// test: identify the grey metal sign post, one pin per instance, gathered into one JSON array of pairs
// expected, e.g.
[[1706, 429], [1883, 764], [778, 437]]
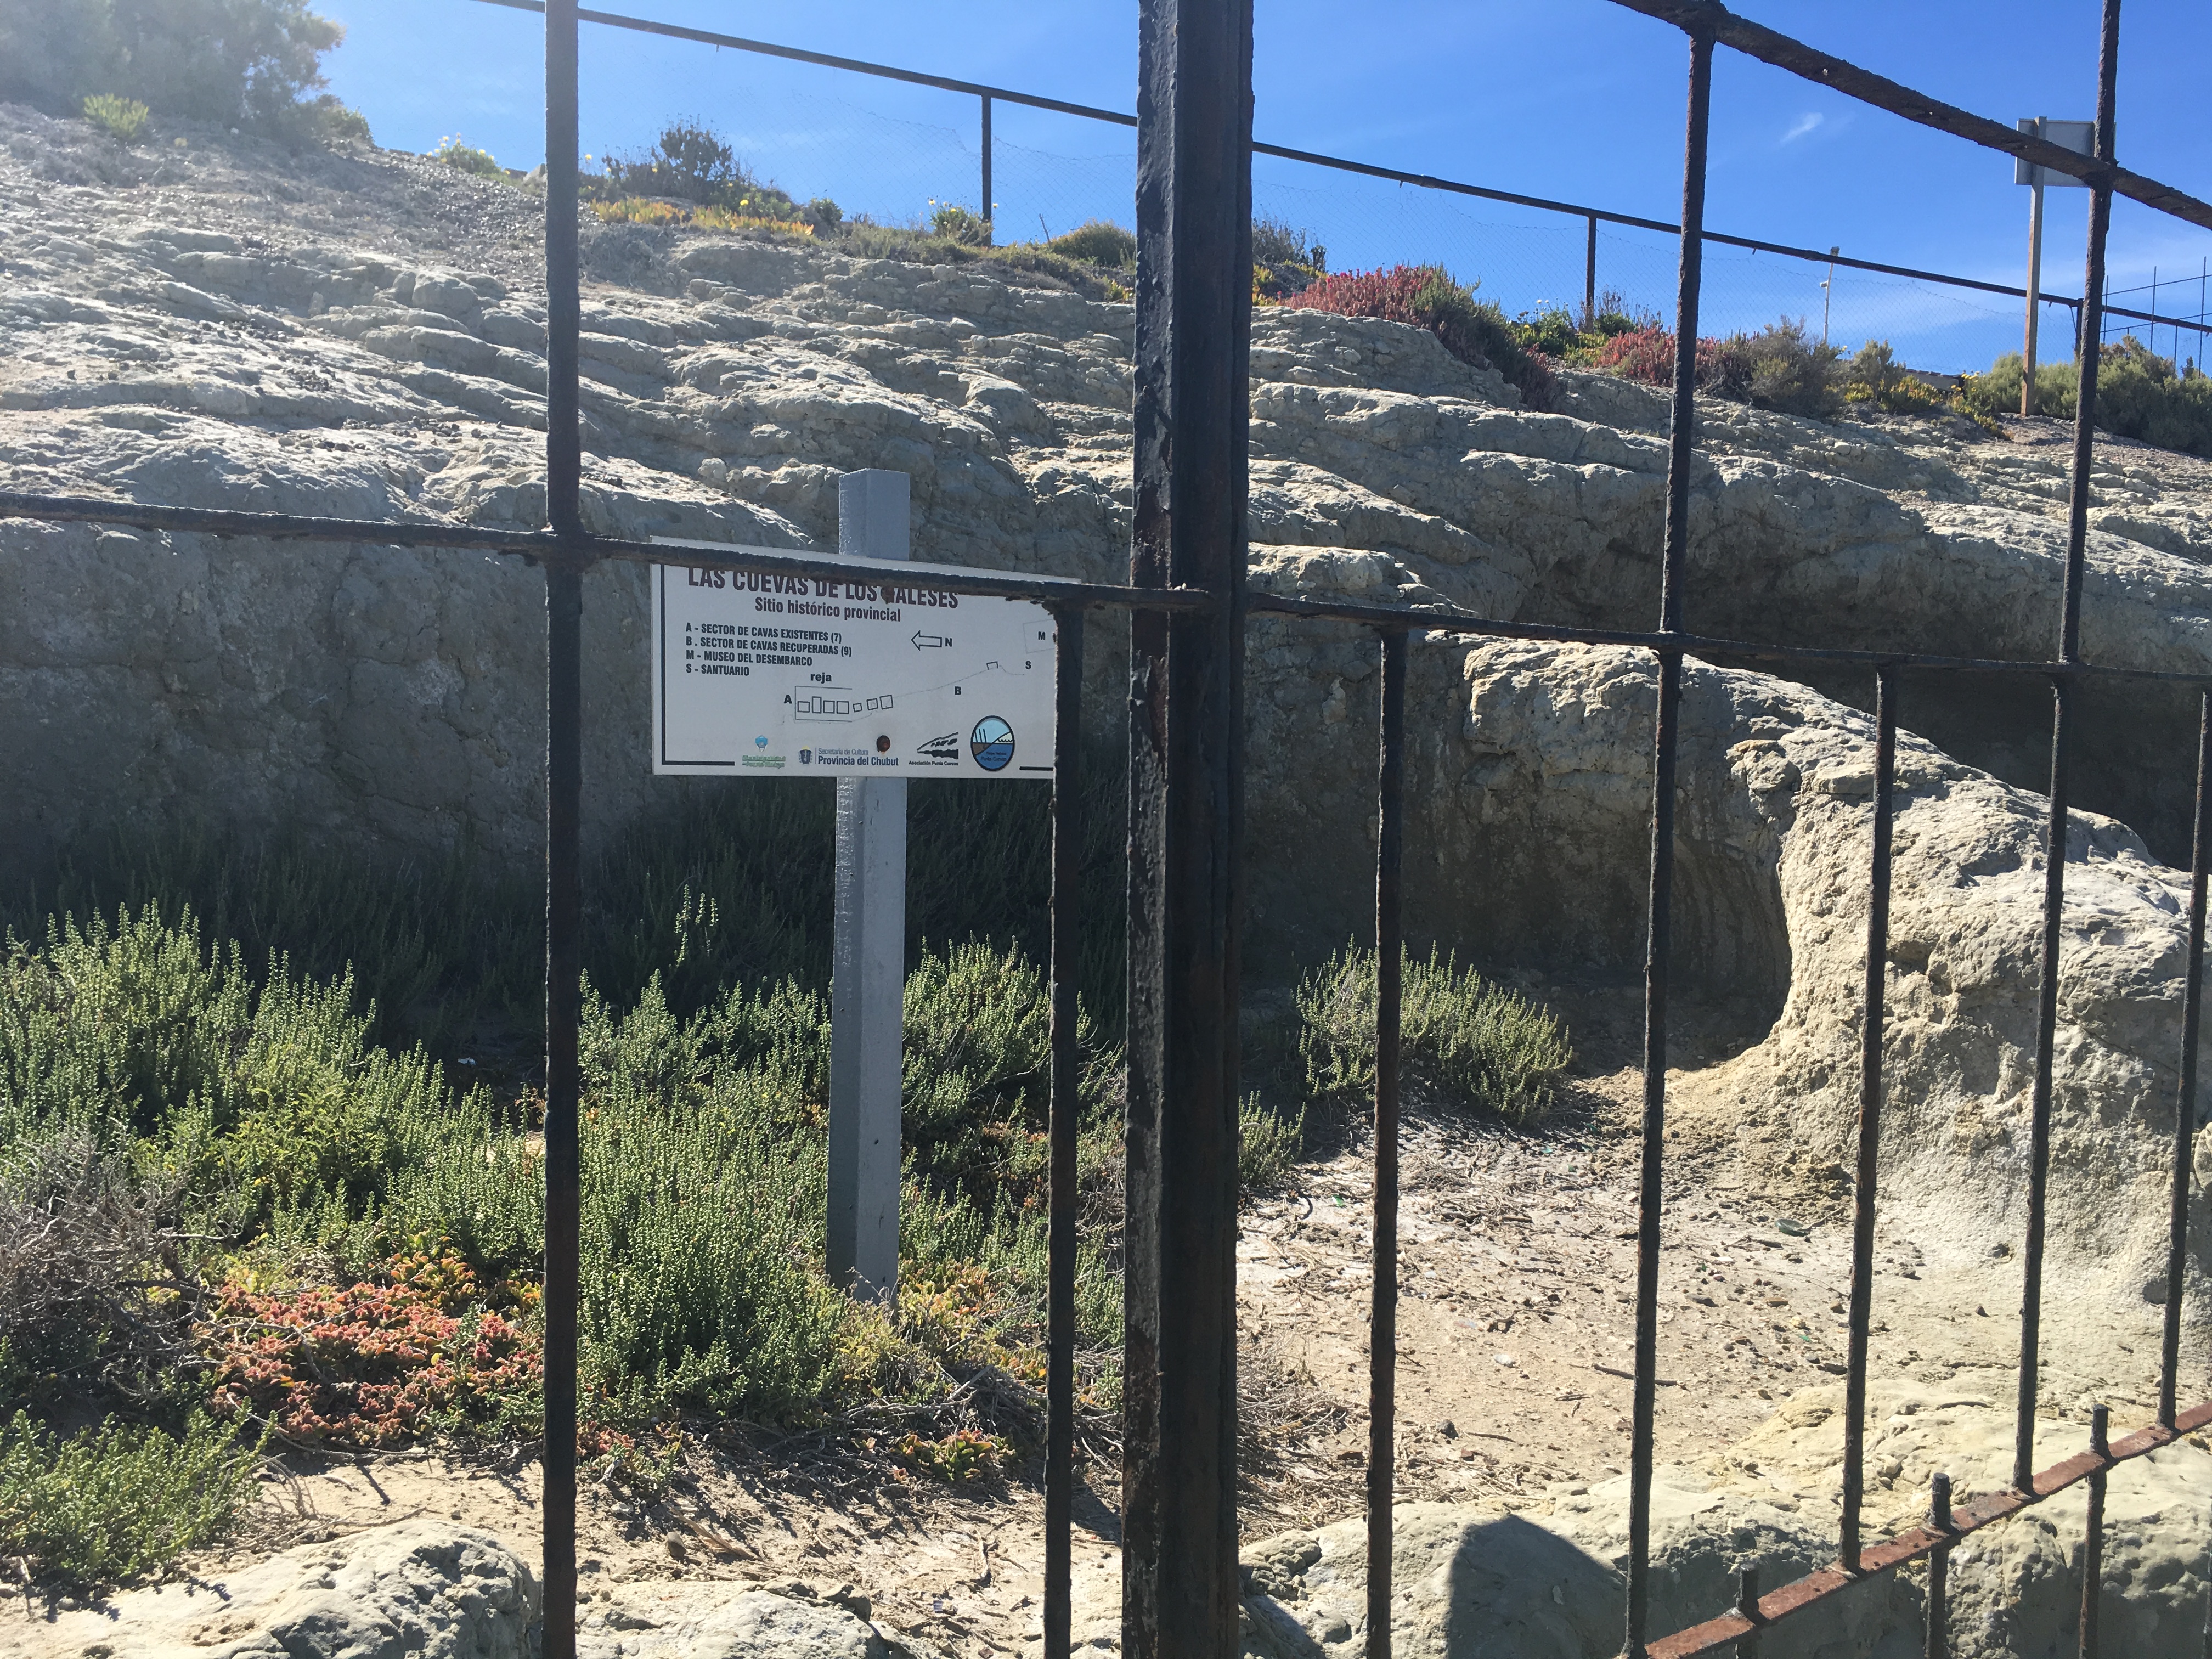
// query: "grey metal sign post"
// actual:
[[2075, 135], [867, 674], [867, 985]]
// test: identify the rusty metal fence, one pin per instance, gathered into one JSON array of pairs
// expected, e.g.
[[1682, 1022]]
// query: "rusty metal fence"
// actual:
[[1187, 604]]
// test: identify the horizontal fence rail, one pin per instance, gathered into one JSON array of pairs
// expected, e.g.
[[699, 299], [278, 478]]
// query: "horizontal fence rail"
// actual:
[[1056, 592]]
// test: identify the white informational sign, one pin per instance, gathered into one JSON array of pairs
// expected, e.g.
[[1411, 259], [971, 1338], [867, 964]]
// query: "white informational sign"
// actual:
[[868, 676]]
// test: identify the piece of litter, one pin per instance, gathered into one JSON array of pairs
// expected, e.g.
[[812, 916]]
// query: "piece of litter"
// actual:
[[1502, 1358], [1795, 1228]]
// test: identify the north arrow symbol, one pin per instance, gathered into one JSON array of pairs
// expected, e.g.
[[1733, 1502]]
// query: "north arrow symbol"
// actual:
[[927, 642]]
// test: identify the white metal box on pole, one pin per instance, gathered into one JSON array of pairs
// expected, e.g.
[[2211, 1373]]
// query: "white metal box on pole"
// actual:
[[2070, 134]]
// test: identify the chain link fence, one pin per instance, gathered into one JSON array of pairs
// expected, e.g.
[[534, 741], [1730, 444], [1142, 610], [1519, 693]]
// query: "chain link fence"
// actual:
[[895, 154]]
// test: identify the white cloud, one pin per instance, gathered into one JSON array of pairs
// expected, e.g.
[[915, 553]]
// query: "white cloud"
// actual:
[[1800, 126]]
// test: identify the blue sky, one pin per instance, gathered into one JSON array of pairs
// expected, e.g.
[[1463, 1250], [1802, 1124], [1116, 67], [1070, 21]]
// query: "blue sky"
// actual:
[[1577, 99]]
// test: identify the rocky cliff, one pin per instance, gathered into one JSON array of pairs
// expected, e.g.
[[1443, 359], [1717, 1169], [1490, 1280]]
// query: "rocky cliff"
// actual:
[[227, 324]]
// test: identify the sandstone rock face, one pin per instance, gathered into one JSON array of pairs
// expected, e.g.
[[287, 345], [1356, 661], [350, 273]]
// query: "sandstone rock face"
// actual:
[[362, 334], [693, 1620], [421, 1588], [1528, 803], [433, 1590], [1546, 1580]]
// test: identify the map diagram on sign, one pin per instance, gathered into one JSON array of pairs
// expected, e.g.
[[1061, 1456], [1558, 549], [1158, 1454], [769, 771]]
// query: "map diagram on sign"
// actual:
[[875, 676]]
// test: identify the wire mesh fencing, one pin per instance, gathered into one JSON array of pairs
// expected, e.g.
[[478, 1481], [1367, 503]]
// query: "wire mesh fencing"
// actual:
[[894, 146]]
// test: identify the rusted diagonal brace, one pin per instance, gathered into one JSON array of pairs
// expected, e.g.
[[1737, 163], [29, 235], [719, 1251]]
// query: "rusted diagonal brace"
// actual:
[[1716, 1634], [1717, 22]]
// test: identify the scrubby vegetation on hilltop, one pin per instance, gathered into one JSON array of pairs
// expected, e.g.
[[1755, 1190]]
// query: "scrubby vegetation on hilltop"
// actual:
[[2140, 395]]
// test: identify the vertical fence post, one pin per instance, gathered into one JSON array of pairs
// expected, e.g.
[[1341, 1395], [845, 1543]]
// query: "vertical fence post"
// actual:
[[1747, 1604], [1937, 1643], [2069, 651], [2185, 1105], [1589, 276], [868, 981], [1067, 1109], [1659, 921], [1192, 418], [2093, 1546], [564, 831], [1862, 1220], [2032, 125], [1382, 1320], [987, 211]]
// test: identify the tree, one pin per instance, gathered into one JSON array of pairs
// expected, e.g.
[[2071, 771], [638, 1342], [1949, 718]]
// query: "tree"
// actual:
[[235, 62]]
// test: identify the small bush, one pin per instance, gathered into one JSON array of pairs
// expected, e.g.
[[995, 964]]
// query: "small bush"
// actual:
[[334, 121], [123, 120], [116, 1501], [1778, 368], [1475, 331], [1277, 241], [955, 223], [1285, 259], [1472, 1043], [1267, 1144], [1782, 368], [690, 162], [1875, 376], [1551, 332], [467, 158], [1098, 242], [963, 1455], [237, 62], [2140, 395]]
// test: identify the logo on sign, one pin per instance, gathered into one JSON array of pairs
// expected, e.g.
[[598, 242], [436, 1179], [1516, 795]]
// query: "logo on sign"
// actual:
[[992, 742], [806, 757], [945, 748], [760, 743]]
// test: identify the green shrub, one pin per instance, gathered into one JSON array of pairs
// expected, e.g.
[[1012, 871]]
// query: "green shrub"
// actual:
[[1471, 1042], [116, 1501], [2139, 395], [467, 158], [233, 62], [1285, 259], [1277, 241], [1780, 367], [954, 223], [451, 953], [123, 120], [266, 1102], [1875, 376], [690, 162], [333, 121], [1098, 242], [1269, 1144], [1784, 368]]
